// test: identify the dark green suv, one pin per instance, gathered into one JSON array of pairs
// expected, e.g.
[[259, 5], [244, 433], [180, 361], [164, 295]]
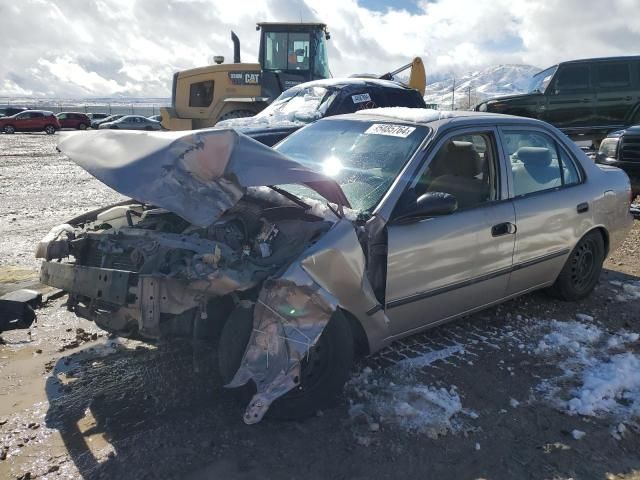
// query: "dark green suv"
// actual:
[[586, 99]]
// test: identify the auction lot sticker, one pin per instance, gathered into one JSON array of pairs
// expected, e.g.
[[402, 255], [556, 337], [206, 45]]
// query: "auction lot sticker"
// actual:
[[361, 98], [389, 129]]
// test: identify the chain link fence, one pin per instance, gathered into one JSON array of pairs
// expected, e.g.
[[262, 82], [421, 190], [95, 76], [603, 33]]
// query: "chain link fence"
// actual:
[[145, 109]]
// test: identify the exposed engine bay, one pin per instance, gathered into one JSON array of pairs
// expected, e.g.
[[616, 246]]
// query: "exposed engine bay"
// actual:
[[190, 264]]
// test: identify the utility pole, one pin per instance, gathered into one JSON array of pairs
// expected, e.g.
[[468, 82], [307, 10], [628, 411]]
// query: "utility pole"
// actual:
[[469, 97], [453, 94]]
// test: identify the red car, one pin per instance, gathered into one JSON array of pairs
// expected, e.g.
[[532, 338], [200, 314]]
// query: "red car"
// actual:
[[74, 120], [30, 121]]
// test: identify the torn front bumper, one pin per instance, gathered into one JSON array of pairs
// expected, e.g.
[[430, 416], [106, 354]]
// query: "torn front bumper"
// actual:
[[108, 285], [120, 298]]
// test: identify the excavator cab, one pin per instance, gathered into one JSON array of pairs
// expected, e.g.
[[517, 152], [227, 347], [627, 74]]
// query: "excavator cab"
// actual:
[[291, 53]]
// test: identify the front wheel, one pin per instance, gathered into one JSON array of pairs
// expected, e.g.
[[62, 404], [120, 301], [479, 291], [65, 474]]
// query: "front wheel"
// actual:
[[50, 129], [82, 126], [9, 129], [582, 270], [324, 370]]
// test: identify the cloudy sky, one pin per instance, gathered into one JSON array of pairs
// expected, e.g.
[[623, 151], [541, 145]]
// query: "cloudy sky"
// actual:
[[97, 48]]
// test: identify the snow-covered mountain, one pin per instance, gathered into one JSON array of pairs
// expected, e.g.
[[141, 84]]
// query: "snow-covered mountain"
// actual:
[[491, 82]]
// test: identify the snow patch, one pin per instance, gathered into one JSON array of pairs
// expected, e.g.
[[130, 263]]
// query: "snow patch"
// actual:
[[294, 108], [415, 115], [629, 290], [601, 371], [395, 396], [609, 386]]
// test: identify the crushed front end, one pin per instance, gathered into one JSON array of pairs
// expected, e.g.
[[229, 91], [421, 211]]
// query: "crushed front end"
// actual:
[[142, 271]]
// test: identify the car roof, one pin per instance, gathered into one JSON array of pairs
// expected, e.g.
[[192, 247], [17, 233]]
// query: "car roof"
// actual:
[[426, 116], [340, 83], [603, 59], [46, 112]]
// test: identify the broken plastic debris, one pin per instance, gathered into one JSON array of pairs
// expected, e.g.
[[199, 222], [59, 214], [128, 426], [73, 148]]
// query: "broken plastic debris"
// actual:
[[578, 434]]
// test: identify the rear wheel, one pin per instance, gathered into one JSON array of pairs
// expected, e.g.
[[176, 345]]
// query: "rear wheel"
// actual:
[[580, 274], [50, 129], [324, 370], [9, 129], [237, 114]]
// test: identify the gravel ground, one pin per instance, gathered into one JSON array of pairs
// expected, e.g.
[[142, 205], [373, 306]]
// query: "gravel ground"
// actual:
[[484, 397]]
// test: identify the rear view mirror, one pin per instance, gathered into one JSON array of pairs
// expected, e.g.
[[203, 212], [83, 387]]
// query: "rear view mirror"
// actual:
[[431, 204]]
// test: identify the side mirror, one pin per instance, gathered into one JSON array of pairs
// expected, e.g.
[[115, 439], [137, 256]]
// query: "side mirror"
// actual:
[[431, 204]]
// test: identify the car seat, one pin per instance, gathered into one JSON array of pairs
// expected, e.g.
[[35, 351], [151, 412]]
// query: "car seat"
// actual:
[[535, 170], [457, 170]]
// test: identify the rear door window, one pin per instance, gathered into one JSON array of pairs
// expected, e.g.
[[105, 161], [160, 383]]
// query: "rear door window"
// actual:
[[538, 163], [613, 75]]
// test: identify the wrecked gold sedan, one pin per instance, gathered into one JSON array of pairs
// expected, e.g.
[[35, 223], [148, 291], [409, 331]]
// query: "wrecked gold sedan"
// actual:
[[352, 232]]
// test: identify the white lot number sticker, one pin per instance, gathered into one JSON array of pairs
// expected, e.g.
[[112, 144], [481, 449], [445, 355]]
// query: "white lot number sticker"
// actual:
[[361, 98], [389, 129]]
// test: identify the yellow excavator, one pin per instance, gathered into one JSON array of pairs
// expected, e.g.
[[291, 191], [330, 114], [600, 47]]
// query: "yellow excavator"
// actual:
[[290, 54]]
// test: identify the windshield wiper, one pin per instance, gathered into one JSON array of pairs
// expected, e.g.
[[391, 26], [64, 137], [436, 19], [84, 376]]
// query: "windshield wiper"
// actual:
[[290, 196]]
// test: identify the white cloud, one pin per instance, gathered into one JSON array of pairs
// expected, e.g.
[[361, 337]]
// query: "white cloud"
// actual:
[[132, 47]]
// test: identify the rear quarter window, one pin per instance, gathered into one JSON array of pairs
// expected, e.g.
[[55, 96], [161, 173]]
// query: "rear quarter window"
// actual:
[[404, 98]]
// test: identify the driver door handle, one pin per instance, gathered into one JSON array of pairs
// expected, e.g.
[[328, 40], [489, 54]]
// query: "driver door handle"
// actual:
[[506, 228]]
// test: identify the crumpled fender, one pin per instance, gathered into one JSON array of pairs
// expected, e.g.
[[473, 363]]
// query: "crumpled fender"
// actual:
[[293, 309]]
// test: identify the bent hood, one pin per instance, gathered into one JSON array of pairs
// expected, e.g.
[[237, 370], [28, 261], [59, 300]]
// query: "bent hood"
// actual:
[[196, 174]]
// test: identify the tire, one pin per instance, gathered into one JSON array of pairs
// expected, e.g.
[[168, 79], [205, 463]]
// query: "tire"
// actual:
[[50, 129], [324, 371], [581, 272], [82, 126], [114, 127], [237, 114], [9, 129], [148, 129]]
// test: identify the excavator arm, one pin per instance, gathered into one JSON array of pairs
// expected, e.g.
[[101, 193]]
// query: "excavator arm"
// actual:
[[417, 77]]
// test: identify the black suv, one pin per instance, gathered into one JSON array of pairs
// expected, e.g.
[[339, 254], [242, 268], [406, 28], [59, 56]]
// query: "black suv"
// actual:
[[622, 149], [586, 99], [310, 101]]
